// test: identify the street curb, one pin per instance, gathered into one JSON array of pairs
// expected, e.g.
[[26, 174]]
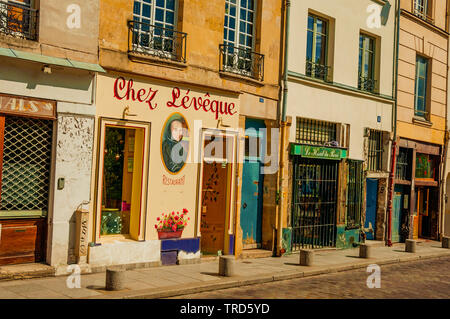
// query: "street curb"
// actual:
[[235, 282]]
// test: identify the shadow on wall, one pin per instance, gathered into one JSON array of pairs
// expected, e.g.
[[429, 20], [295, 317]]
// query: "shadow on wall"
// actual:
[[60, 77]]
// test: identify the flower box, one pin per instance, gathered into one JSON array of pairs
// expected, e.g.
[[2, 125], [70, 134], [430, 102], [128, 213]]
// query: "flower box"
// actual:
[[169, 234]]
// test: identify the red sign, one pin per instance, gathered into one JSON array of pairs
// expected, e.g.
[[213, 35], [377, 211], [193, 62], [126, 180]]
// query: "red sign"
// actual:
[[27, 107]]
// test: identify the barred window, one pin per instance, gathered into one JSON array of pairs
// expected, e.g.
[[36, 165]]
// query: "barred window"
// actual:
[[375, 155], [315, 132], [402, 170], [354, 193]]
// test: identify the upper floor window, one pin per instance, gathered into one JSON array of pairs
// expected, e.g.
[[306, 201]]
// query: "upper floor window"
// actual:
[[238, 46], [422, 9], [154, 29], [317, 48], [420, 107], [366, 79], [18, 18]]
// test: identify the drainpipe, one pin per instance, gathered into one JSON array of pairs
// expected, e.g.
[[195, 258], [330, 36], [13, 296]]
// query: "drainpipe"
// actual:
[[443, 192], [283, 125], [394, 126]]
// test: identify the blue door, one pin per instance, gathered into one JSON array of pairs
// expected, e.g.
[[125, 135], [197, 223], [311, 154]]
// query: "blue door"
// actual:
[[252, 184], [371, 208]]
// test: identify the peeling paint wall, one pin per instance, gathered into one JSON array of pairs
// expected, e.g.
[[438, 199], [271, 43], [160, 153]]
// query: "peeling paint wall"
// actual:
[[74, 143]]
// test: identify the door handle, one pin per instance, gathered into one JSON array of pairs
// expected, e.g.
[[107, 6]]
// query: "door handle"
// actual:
[[244, 206]]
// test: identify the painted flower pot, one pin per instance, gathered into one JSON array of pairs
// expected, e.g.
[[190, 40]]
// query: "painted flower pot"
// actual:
[[169, 234]]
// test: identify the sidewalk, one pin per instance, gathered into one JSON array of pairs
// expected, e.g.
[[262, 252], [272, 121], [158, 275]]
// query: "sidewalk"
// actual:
[[171, 281]]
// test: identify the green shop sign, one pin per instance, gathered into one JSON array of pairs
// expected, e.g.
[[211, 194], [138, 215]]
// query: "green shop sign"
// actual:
[[318, 152]]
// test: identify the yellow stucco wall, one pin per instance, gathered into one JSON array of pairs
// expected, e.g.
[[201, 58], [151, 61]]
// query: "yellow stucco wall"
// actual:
[[203, 22], [416, 37]]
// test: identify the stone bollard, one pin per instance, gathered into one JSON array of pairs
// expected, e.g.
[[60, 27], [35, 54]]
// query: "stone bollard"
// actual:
[[306, 257], [410, 246], [115, 278], [365, 251], [445, 242], [226, 266]]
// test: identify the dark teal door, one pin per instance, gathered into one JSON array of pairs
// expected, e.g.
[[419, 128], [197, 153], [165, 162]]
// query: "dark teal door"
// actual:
[[371, 208], [396, 215], [252, 184]]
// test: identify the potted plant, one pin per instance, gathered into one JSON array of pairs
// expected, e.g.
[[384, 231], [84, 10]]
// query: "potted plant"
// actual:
[[171, 225]]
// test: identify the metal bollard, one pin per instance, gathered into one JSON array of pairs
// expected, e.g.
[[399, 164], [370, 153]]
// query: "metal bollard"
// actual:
[[306, 257], [226, 266], [445, 242], [365, 251], [410, 245], [115, 279]]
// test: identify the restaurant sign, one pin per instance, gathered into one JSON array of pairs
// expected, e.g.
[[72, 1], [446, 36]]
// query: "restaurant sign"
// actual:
[[27, 107], [318, 152]]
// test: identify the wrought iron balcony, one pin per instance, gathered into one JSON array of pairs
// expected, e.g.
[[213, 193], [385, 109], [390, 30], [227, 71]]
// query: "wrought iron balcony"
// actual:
[[367, 84], [422, 15], [160, 42], [241, 61], [18, 20], [318, 71]]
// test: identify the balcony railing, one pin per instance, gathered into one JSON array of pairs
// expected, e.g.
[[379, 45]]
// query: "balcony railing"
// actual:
[[18, 20], [422, 15], [241, 62], [367, 84], [161, 42], [318, 71]]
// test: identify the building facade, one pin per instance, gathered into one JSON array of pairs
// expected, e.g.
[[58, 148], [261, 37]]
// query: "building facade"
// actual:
[[339, 104], [48, 53], [421, 120], [184, 80]]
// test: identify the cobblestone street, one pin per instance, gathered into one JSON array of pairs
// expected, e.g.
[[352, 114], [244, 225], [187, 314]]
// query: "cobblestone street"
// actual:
[[418, 279]]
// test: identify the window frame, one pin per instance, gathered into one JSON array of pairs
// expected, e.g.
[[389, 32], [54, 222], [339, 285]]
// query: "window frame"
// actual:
[[103, 123], [237, 30], [375, 153], [425, 112], [362, 60], [154, 25], [315, 33]]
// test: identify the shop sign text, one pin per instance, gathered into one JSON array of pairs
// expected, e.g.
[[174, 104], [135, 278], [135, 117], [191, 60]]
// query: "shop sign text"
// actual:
[[123, 90], [25, 106]]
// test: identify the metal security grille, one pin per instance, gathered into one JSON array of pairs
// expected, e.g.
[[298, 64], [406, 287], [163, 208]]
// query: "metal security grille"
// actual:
[[315, 132], [375, 155], [354, 193], [314, 203], [26, 164], [403, 161]]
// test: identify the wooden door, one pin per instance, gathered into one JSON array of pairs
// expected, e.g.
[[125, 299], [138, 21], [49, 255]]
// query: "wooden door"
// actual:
[[214, 206]]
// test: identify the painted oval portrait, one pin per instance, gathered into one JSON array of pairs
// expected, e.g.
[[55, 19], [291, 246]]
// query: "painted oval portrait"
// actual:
[[175, 143]]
